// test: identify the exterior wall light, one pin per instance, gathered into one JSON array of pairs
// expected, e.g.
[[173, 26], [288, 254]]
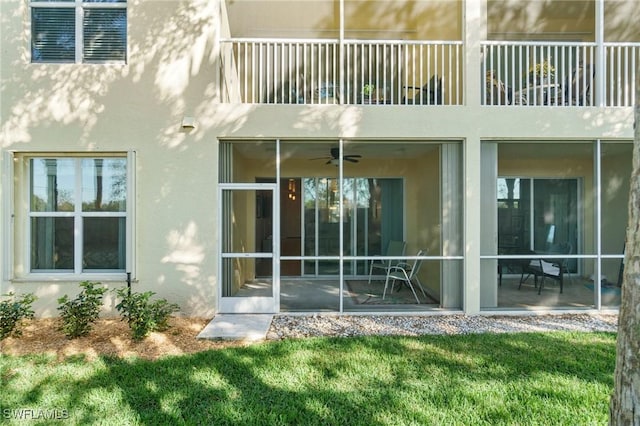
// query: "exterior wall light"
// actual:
[[188, 123]]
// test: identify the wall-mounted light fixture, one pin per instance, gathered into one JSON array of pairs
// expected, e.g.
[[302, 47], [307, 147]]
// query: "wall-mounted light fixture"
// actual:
[[188, 123]]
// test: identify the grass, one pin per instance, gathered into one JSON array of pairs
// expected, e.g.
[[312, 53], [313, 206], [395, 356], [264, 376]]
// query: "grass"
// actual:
[[487, 379]]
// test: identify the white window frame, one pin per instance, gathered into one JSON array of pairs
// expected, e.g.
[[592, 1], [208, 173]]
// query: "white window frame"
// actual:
[[78, 274], [6, 227], [79, 6]]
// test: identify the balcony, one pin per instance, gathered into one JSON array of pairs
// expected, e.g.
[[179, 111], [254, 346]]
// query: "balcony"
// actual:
[[559, 74], [325, 71], [374, 72]]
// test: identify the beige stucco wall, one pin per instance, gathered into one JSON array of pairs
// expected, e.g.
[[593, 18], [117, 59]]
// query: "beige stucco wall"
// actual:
[[117, 108], [171, 72]]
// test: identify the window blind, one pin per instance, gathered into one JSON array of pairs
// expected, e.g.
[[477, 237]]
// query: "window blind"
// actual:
[[105, 35], [94, 29], [53, 34]]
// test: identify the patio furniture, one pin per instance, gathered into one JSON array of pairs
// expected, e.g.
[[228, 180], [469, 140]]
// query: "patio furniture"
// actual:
[[326, 93], [496, 92], [429, 94], [510, 265], [551, 268], [538, 94], [578, 88], [406, 273], [394, 248]]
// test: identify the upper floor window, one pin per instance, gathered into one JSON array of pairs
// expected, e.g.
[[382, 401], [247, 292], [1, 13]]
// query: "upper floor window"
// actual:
[[90, 31]]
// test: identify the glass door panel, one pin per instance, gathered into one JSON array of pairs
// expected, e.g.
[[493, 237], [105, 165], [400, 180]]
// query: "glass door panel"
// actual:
[[372, 216], [539, 216], [310, 224], [363, 220], [328, 224], [514, 212], [321, 224], [242, 289], [555, 216]]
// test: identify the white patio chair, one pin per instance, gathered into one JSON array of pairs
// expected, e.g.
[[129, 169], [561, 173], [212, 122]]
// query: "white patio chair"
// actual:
[[395, 248], [406, 273]]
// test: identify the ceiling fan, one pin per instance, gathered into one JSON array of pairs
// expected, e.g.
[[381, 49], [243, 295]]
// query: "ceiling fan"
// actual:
[[334, 157]]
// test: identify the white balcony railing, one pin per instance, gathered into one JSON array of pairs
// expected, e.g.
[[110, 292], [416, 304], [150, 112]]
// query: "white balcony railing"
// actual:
[[621, 65], [318, 71], [325, 71], [559, 74]]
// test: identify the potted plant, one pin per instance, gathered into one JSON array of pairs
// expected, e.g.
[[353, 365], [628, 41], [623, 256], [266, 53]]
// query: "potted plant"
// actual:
[[369, 94], [541, 72]]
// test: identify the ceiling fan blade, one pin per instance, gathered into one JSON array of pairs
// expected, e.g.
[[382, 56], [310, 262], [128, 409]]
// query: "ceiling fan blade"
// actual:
[[335, 154]]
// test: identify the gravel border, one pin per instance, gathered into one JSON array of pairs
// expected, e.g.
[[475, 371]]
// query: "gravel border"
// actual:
[[290, 326]]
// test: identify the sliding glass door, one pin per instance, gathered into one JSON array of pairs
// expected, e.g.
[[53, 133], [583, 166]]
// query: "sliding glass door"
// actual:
[[537, 214], [372, 215]]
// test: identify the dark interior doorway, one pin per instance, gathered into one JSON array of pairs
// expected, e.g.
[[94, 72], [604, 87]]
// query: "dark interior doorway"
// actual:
[[290, 228]]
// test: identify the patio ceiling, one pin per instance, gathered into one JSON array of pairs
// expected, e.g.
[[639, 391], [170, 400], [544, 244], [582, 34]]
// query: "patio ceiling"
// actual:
[[312, 149]]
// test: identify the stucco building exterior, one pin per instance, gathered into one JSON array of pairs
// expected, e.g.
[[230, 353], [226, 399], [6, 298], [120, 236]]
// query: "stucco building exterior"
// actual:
[[257, 156]]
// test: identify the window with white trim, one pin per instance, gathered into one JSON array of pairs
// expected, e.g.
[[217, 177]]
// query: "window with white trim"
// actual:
[[78, 214], [89, 31]]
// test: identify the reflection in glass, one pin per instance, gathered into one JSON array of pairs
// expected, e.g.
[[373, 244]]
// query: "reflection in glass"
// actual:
[[538, 217], [514, 211], [52, 185], [62, 191], [552, 222], [52, 243], [372, 216], [104, 243], [104, 184], [555, 214]]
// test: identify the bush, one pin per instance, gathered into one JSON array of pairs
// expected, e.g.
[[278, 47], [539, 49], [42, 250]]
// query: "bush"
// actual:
[[143, 315], [79, 314], [13, 311]]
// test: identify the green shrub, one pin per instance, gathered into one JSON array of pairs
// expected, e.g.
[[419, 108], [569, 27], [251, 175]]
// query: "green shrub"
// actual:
[[13, 311], [79, 314], [142, 314]]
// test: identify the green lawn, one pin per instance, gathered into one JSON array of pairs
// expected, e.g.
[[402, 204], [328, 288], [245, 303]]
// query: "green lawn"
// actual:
[[486, 379]]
